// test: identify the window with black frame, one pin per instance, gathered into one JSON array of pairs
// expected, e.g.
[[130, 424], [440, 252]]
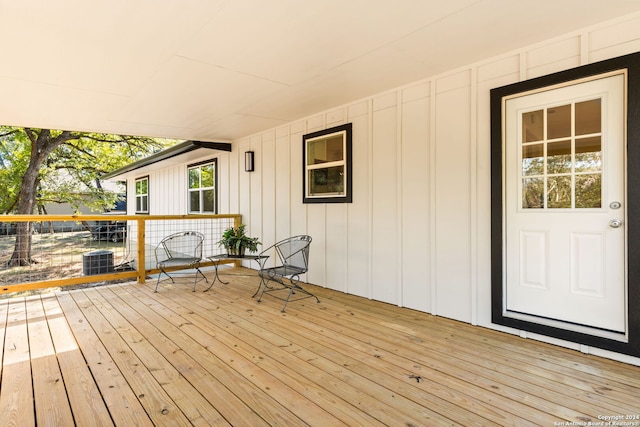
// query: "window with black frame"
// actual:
[[327, 165]]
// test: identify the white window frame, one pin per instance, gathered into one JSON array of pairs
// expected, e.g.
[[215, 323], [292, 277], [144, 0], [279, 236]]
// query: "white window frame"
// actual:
[[200, 189], [142, 199]]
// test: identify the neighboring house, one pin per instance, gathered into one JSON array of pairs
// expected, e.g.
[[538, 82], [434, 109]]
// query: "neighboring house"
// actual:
[[415, 229]]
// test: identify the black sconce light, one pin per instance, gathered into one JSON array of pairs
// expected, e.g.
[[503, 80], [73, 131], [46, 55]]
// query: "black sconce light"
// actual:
[[248, 161]]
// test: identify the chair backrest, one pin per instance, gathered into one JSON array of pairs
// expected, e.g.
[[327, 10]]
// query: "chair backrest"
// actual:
[[294, 252], [185, 244]]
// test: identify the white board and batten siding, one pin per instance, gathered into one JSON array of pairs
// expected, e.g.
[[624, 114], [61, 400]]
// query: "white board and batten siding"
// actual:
[[418, 231]]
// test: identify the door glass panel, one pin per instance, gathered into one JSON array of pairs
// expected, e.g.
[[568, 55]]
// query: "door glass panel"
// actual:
[[533, 126], [563, 170], [559, 122], [588, 117], [559, 157], [533, 159], [589, 191], [533, 193], [589, 154], [559, 191]]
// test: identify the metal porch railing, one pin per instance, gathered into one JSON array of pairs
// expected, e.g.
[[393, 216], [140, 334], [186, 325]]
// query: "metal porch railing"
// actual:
[[80, 249]]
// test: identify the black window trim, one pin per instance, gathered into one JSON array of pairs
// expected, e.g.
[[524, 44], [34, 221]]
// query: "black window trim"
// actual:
[[347, 197]]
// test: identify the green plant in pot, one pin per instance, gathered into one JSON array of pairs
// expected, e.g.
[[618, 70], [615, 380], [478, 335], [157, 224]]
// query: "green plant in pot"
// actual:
[[236, 241]]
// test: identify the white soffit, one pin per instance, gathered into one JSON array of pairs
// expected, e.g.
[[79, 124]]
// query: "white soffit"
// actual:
[[220, 70]]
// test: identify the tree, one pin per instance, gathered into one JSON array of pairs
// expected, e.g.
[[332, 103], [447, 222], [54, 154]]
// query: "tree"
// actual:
[[30, 156]]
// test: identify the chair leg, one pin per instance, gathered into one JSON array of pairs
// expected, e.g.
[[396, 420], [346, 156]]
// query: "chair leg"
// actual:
[[158, 281], [196, 279], [160, 275], [287, 300]]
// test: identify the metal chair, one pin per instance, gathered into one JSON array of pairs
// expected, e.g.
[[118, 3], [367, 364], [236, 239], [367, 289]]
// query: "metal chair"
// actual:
[[180, 251], [292, 256]]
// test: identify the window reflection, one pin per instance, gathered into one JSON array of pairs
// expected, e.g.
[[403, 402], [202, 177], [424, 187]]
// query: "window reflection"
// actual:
[[559, 157], [588, 154], [588, 117], [559, 122], [562, 169], [533, 126], [533, 159], [533, 193], [588, 191], [559, 192]]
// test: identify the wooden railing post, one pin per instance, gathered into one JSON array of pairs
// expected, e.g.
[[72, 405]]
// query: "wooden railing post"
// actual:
[[142, 259]]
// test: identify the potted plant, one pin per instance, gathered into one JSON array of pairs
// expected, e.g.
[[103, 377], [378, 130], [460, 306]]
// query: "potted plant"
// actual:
[[236, 241]]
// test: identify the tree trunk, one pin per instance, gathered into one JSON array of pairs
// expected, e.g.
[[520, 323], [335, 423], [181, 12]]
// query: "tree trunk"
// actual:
[[42, 144]]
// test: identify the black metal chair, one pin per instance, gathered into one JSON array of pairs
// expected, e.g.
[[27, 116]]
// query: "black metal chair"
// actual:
[[180, 251], [292, 258]]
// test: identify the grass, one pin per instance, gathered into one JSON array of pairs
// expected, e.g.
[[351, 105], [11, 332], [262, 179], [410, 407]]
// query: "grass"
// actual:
[[56, 255]]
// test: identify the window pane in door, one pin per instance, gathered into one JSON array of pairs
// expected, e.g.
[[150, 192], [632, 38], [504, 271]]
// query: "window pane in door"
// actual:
[[532, 193], [559, 157], [588, 154], [588, 117], [559, 122], [533, 126], [559, 191], [533, 159], [589, 191]]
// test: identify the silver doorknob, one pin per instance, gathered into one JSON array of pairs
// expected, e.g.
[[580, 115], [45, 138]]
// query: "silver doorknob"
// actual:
[[615, 223]]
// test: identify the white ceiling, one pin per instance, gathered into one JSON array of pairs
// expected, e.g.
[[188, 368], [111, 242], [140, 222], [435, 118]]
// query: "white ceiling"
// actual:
[[217, 70]]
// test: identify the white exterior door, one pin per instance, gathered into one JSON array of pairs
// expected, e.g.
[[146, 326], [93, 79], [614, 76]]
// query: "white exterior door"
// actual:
[[565, 206]]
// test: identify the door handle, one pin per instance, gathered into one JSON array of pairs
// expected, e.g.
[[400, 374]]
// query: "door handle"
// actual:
[[615, 223]]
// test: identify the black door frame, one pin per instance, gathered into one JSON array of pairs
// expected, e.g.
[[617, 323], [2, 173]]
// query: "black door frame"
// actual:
[[632, 64]]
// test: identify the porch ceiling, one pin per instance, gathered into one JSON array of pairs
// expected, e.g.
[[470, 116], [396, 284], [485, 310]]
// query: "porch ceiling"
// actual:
[[218, 70]]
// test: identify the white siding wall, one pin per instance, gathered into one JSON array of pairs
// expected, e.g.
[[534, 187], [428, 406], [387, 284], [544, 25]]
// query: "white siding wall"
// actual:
[[418, 231]]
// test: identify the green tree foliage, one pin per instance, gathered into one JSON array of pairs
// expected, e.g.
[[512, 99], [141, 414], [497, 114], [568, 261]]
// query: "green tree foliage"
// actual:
[[40, 166]]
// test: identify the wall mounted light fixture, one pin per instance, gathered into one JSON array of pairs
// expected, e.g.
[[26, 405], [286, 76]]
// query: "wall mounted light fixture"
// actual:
[[248, 161]]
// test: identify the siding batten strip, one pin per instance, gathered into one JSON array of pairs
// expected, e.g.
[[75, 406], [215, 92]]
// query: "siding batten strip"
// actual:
[[399, 195], [473, 185], [432, 199]]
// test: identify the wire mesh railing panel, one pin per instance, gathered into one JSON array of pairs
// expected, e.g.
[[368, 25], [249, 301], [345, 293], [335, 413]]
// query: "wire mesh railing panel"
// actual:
[[48, 250], [82, 249], [212, 228]]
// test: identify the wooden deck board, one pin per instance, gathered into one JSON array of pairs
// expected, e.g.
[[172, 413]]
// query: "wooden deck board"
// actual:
[[50, 396], [373, 397], [123, 355], [16, 392], [450, 357], [85, 400], [546, 364], [243, 379], [121, 401]]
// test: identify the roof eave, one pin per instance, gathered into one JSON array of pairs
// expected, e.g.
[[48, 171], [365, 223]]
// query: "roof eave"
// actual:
[[170, 152]]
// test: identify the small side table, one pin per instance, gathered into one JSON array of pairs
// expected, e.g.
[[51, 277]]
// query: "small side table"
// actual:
[[216, 259]]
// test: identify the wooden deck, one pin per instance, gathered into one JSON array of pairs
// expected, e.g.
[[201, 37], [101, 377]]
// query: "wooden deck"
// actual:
[[122, 355]]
